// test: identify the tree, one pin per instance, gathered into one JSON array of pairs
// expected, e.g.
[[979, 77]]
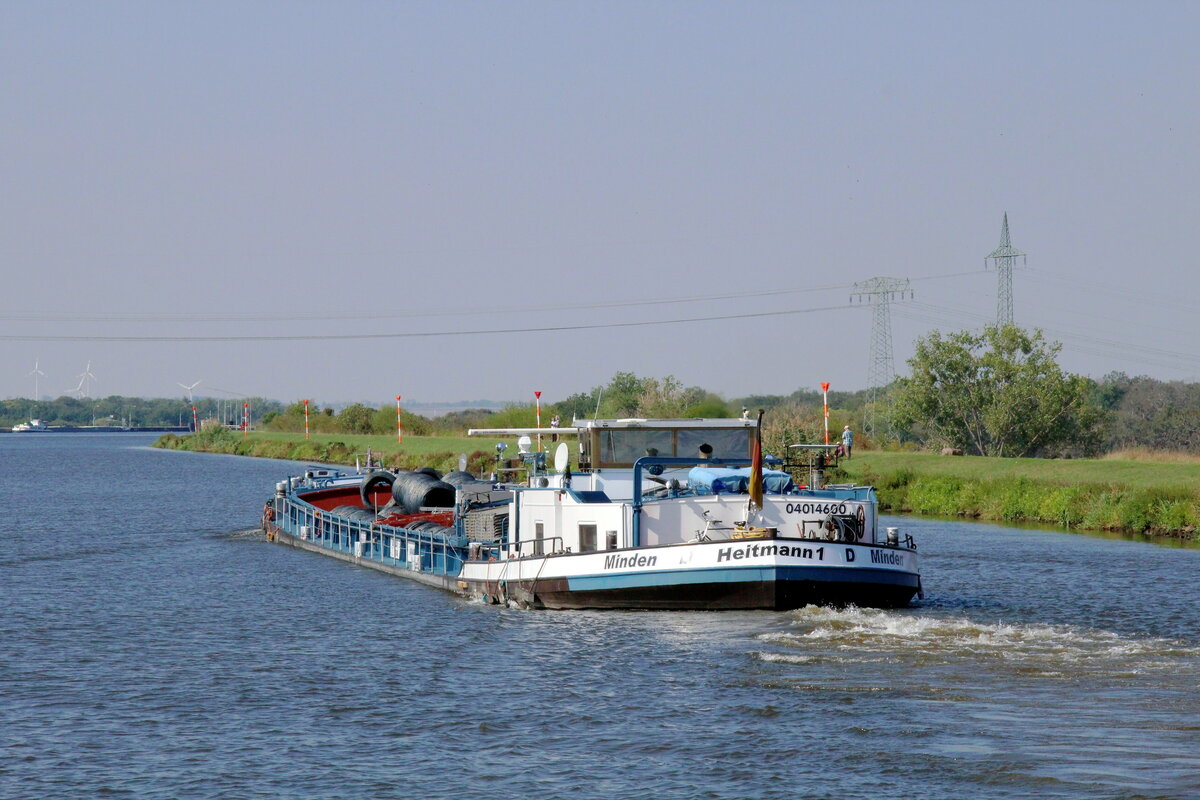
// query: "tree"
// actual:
[[708, 405], [1151, 413], [624, 394], [998, 393], [355, 418], [581, 405], [787, 425], [383, 421]]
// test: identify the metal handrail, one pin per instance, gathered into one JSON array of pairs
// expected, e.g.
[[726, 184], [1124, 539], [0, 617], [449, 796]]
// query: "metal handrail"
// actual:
[[309, 514], [667, 461], [497, 547]]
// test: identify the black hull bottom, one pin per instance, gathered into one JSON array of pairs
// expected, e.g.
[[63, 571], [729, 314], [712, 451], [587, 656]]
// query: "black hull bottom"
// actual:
[[771, 595]]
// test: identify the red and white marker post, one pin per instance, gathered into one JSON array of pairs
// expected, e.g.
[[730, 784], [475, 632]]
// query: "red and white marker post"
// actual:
[[245, 420], [399, 427], [825, 394], [306, 419], [537, 397]]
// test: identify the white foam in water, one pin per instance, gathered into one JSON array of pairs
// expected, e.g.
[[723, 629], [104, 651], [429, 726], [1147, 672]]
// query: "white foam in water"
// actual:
[[853, 634]]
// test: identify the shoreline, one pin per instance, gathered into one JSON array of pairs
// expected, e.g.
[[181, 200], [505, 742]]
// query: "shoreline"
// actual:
[[334, 452], [922, 485]]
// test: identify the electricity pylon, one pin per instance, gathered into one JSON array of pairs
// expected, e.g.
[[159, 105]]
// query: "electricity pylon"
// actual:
[[880, 372], [1002, 258]]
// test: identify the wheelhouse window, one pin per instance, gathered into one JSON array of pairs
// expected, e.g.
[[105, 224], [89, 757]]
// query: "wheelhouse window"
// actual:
[[729, 443], [627, 445], [610, 540], [617, 447], [587, 538]]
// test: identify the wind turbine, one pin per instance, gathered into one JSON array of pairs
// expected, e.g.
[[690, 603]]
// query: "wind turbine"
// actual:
[[85, 380], [37, 373], [195, 422], [188, 389]]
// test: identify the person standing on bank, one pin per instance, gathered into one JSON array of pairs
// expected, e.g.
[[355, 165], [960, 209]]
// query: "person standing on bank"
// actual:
[[847, 440]]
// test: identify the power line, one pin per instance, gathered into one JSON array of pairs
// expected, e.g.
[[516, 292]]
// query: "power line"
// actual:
[[1086, 341], [323, 316], [312, 337], [1074, 341], [972, 274], [1090, 341], [928, 312], [1120, 292], [24, 316]]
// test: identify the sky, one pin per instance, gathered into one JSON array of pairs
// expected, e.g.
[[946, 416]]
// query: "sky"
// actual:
[[455, 201]]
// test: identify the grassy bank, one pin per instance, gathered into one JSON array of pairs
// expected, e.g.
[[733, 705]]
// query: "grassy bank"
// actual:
[[439, 452], [1125, 494]]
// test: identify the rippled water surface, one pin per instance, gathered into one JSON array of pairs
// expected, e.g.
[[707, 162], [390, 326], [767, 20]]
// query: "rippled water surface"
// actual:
[[153, 645]]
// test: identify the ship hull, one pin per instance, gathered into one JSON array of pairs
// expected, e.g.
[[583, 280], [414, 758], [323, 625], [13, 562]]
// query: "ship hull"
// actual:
[[750, 574], [777, 590], [777, 594]]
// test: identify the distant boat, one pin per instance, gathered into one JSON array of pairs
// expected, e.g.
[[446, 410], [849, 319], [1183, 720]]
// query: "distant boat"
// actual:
[[37, 426]]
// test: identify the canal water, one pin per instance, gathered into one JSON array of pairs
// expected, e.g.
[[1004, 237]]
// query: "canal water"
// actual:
[[152, 645]]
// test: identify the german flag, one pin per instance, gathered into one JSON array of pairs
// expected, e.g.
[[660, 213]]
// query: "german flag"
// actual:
[[756, 467]]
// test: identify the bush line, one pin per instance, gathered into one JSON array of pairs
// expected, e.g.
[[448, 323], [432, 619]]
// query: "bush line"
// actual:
[[230, 443], [1169, 511]]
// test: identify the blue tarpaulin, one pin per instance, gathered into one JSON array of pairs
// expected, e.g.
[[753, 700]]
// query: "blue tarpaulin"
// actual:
[[722, 480]]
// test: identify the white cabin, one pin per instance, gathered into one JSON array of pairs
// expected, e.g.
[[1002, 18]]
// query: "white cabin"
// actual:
[[613, 503]]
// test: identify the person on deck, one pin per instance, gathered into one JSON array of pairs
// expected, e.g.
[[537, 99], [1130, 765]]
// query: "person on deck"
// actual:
[[847, 440]]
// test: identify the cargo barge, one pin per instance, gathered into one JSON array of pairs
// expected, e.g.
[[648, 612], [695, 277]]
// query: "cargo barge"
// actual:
[[655, 514]]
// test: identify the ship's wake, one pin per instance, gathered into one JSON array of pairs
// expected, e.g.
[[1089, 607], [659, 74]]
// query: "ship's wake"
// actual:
[[246, 533], [851, 635]]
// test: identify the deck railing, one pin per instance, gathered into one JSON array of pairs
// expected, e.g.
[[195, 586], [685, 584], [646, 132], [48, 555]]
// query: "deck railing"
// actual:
[[422, 551]]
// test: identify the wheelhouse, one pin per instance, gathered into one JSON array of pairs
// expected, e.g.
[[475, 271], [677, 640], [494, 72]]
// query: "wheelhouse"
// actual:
[[617, 444]]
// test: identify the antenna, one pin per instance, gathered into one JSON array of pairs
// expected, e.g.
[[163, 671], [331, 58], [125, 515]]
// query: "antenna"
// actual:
[[1002, 259], [880, 292], [36, 373]]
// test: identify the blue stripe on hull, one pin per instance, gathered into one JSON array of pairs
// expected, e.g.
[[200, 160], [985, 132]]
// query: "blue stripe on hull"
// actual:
[[749, 574], [734, 588]]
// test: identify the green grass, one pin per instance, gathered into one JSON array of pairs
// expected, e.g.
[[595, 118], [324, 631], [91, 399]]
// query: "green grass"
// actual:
[[1145, 494], [1133, 474], [414, 445], [440, 452]]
